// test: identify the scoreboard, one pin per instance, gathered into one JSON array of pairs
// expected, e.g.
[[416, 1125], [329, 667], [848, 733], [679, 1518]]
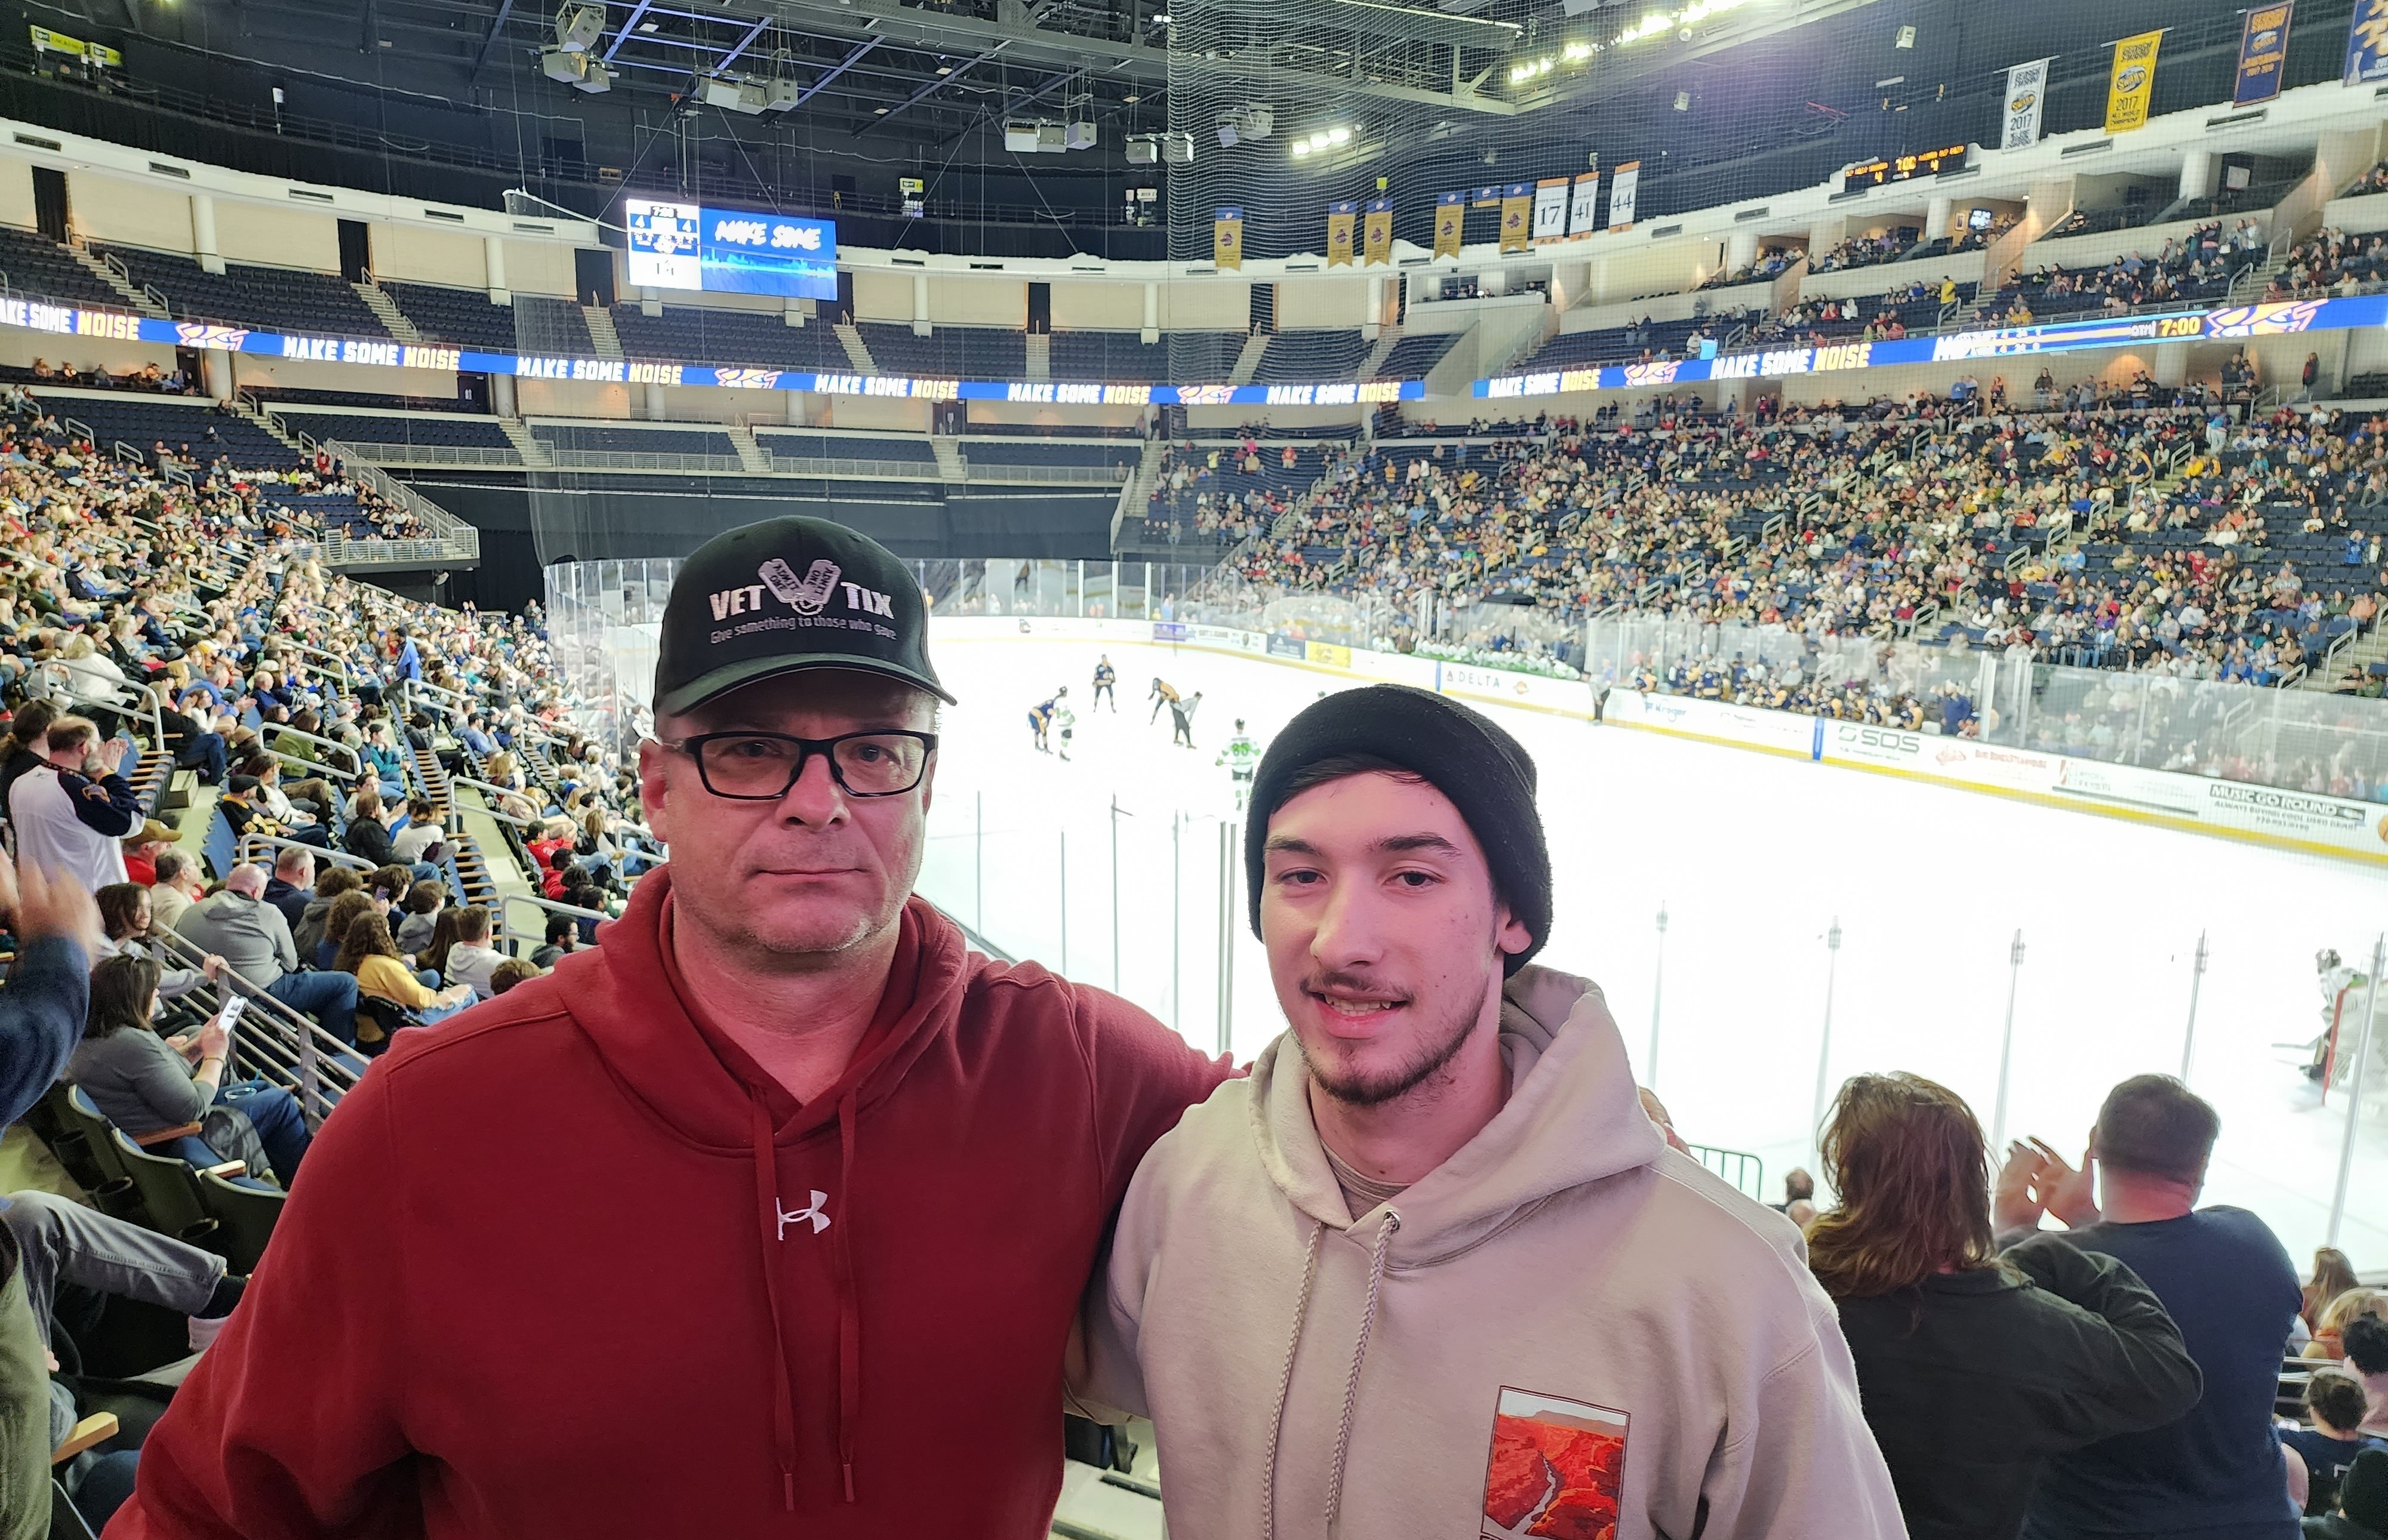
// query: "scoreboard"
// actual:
[[1873, 173]]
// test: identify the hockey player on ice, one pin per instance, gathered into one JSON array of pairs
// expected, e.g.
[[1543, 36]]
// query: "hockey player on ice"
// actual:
[[1163, 694], [1242, 757], [1040, 719], [1106, 683]]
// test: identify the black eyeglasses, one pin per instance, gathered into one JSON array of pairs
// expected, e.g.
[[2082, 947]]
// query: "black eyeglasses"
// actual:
[[760, 767]]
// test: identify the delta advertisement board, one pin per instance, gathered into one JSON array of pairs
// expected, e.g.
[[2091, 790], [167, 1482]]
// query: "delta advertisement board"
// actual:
[[115, 326], [2232, 322]]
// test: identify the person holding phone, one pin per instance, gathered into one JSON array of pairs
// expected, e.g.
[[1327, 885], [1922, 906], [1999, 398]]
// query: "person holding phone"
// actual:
[[143, 1083]]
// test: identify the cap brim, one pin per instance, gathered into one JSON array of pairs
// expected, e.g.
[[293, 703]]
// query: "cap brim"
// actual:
[[728, 677]]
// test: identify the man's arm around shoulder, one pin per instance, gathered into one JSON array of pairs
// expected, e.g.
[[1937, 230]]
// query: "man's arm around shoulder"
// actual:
[[1143, 1078]]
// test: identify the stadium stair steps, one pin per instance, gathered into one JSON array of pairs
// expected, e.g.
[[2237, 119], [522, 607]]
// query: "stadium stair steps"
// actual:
[[951, 466], [752, 456], [267, 421], [2361, 653], [1248, 362], [385, 309], [1136, 498], [1040, 355], [141, 296], [607, 341], [533, 449], [856, 351], [1385, 342]]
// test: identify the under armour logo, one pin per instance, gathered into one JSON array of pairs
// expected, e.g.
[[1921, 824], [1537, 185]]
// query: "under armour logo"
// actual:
[[813, 1212]]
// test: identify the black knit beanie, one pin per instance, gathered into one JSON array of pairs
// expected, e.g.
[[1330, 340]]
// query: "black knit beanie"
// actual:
[[1486, 773], [2363, 1491]]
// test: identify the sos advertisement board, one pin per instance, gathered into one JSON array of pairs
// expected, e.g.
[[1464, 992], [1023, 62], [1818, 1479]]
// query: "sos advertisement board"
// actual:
[[685, 246]]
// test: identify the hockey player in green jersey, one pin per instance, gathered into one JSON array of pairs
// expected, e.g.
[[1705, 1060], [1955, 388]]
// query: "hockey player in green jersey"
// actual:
[[1242, 757]]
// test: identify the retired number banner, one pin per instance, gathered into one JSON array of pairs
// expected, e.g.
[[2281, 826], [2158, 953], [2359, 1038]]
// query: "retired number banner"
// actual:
[[1227, 238], [1377, 233]]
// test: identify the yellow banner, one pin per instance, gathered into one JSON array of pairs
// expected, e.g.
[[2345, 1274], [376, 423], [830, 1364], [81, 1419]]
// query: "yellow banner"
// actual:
[[1340, 220], [1333, 654], [1227, 238], [1377, 233], [1516, 210], [49, 41], [2133, 82], [1450, 217]]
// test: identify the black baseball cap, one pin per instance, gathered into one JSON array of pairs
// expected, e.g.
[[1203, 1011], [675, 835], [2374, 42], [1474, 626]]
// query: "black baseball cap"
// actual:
[[789, 594]]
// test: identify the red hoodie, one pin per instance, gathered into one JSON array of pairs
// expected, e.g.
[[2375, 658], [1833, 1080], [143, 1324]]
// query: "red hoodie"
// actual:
[[570, 1264]]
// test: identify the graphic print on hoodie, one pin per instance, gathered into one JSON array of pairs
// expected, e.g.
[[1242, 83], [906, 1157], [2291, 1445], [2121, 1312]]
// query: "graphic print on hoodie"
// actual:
[[1556, 1469], [1410, 1373]]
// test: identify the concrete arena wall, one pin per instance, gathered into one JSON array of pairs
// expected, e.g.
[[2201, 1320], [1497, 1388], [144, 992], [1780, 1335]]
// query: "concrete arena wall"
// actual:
[[2309, 825]]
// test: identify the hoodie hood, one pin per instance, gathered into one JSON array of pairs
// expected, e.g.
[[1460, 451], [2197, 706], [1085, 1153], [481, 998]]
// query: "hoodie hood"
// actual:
[[1572, 1117], [718, 1099]]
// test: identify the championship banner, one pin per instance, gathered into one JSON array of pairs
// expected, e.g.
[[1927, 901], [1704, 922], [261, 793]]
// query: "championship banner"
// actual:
[[1550, 209], [1339, 234], [1585, 205], [1451, 218], [1227, 238], [1621, 196], [1517, 203], [2367, 44], [2262, 54], [1377, 233], [2027, 92], [2132, 82]]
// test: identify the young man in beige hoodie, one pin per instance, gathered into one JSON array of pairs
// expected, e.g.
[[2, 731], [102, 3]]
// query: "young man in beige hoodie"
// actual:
[[1429, 1270]]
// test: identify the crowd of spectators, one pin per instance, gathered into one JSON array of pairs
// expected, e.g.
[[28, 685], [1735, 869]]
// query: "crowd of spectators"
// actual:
[[151, 627], [2329, 261]]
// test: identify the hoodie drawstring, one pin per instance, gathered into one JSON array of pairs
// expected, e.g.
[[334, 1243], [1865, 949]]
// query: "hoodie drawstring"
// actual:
[[1384, 1246], [766, 1194], [1285, 1383], [1359, 1352], [849, 1313]]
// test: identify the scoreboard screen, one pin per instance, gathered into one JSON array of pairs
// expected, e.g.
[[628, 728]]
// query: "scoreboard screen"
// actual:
[[1873, 173], [682, 245]]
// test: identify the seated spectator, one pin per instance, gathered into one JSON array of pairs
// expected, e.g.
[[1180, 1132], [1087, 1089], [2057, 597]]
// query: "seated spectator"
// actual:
[[253, 937], [1974, 1368], [474, 960], [2332, 1275], [142, 847], [513, 971], [2227, 1284], [2366, 1339], [368, 831], [126, 917], [422, 830], [2327, 1343], [2336, 1403], [342, 913], [562, 936], [330, 883], [370, 953], [1798, 1187], [292, 886], [145, 1084], [2362, 1511], [425, 902], [177, 888]]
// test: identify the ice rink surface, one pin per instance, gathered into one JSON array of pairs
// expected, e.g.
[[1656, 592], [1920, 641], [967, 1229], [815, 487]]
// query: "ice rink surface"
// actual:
[[1753, 859]]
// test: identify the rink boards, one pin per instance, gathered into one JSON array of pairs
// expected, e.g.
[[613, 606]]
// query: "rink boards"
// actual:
[[2308, 823]]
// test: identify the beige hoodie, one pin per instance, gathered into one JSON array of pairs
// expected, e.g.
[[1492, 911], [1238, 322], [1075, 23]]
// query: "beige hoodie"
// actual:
[[1567, 1329]]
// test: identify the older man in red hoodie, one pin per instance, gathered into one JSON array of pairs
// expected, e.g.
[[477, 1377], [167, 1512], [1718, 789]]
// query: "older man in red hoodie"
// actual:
[[691, 1237]]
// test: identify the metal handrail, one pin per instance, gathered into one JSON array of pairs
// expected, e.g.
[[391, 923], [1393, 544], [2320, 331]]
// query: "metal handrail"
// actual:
[[253, 844], [498, 813], [336, 660], [505, 928], [356, 759], [319, 1060]]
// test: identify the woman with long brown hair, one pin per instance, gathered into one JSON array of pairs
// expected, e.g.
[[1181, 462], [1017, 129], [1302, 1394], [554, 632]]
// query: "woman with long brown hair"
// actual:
[[2332, 1275], [1974, 1365]]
